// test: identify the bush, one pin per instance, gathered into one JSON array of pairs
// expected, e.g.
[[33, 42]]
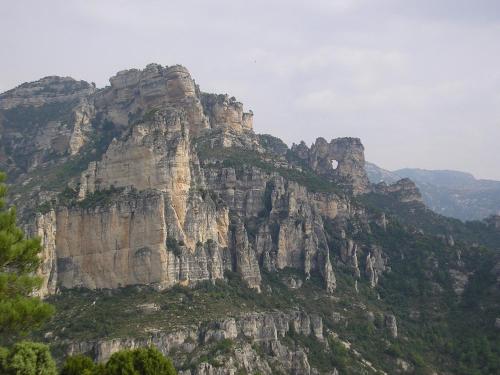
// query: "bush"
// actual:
[[78, 365], [28, 358], [145, 361]]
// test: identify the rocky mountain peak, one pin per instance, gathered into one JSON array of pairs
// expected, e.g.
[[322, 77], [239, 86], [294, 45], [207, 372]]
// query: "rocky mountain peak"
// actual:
[[48, 90], [341, 159], [150, 184], [404, 190]]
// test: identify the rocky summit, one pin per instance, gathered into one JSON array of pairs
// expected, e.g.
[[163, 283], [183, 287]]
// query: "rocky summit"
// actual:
[[166, 220]]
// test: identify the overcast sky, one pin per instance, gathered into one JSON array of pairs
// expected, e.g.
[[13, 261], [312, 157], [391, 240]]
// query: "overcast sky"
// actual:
[[417, 80]]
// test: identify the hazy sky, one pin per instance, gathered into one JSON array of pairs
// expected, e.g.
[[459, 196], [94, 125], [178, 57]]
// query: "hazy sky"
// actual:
[[417, 80]]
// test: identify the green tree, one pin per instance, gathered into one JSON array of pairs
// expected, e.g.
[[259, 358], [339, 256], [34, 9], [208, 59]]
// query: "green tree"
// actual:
[[20, 311], [145, 361], [28, 358], [78, 365]]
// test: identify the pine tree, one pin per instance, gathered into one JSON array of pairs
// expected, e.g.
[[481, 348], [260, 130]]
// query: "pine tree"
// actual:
[[20, 311]]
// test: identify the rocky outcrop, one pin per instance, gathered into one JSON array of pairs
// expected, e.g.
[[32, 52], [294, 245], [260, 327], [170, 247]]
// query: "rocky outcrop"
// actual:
[[262, 329], [134, 93], [48, 90], [44, 122], [82, 117], [283, 221], [375, 265], [45, 228], [403, 190], [459, 280], [349, 255], [347, 153], [227, 113], [391, 325], [493, 221]]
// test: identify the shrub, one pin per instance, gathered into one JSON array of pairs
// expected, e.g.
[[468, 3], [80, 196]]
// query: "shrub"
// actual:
[[78, 365], [145, 361], [28, 358]]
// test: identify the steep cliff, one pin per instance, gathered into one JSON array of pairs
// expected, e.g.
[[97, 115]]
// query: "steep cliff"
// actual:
[[166, 220], [179, 206]]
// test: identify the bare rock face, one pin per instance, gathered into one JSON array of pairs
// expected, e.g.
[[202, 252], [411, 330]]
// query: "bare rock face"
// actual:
[[247, 264], [283, 221], [83, 114], [227, 113], [135, 92], [349, 255], [375, 265], [459, 279], [44, 227], [163, 232], [403, 190], [391, 325], [348, 153], [126, 244]]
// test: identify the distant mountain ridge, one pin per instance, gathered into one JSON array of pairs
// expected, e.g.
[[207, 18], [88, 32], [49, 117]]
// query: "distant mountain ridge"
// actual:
[[447, 192]]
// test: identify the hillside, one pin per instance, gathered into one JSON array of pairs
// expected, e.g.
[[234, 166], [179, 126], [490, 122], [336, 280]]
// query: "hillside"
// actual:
[[167, 221], [449, 193]]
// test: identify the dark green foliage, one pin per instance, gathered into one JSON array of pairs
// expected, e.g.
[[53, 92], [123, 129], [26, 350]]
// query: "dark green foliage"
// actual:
[[145, 361], [78, 365], [174, 246], [99, 198], [20, 311], [323, 356], [273, 144], [224, 346], [28, 358], [268, 203], [26, 118], [142, 361], [150, 114]]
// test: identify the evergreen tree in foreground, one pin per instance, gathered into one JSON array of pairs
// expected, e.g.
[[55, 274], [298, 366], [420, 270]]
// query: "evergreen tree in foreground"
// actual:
[[20, 311]]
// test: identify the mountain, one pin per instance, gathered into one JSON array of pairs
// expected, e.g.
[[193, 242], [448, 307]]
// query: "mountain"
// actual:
[[450, 193], [166, 220]]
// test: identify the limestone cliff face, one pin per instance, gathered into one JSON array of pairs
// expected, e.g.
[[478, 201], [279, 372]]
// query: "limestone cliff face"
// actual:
[[283, 220], [44, 227], [227, 113], [126, 243], [156, 203], [162, 230], [134, 92]]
